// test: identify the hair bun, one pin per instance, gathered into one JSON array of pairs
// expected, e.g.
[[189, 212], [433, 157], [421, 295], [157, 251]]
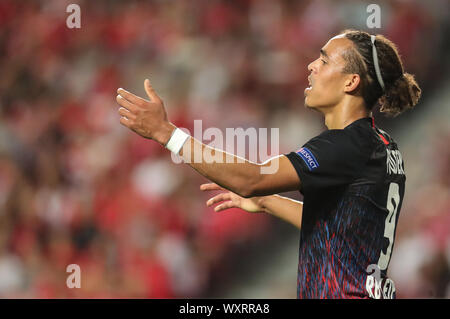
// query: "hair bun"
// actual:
[[401, 95]]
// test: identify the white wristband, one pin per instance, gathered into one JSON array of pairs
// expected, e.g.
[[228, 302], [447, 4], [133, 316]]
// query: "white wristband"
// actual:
[[177, 141]]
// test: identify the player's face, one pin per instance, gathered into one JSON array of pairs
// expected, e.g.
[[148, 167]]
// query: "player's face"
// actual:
[[326, 79]]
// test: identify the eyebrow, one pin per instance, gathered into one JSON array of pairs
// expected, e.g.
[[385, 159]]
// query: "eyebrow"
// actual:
[[324, 53]]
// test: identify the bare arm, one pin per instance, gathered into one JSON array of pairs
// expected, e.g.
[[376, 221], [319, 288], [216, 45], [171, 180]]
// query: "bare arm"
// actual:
[[245, 178], [284, 208]]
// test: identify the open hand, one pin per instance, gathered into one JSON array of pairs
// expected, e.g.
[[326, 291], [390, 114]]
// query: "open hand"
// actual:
[[146, 118], [231, 200]]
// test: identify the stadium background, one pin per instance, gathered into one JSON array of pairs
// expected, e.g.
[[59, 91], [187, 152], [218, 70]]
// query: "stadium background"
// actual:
[[76, 187]]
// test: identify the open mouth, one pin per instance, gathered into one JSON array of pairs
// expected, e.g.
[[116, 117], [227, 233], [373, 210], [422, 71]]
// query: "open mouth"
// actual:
[[310, 83]]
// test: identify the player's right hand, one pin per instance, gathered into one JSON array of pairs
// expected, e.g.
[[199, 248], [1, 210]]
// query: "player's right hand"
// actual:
[[231, 200], [147, 118]]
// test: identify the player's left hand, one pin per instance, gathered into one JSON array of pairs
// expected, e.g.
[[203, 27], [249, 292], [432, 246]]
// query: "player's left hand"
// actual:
[[147, 118], [231, 200]]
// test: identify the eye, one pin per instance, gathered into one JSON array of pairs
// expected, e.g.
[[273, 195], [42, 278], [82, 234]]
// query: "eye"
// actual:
[[323, 61]]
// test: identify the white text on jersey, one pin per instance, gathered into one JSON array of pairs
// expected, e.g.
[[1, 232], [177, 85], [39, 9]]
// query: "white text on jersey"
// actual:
[[394, 162]]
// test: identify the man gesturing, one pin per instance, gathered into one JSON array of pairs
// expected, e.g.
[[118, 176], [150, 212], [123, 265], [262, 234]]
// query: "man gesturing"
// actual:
[[352, 175]]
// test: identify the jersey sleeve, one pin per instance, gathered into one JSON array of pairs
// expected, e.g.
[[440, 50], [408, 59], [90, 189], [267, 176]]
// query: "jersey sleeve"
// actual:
[[329, 160]]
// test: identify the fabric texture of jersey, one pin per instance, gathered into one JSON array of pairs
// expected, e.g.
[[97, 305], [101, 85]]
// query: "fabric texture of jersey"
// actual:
[[353, 184]]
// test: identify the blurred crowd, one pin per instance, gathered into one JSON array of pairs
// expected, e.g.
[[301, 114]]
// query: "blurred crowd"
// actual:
[[420, 262], [78, 188]]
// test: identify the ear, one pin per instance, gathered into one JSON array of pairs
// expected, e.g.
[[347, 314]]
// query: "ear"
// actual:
[[352, 82]]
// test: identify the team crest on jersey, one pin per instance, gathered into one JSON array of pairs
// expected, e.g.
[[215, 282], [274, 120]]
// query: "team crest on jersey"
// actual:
[[308, 157]]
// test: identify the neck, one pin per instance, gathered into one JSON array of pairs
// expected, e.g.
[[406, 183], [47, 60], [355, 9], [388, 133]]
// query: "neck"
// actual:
[[345, 113]]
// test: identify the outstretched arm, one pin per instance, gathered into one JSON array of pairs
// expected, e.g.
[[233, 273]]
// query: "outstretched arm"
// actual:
[[284, 208], [245, 178]]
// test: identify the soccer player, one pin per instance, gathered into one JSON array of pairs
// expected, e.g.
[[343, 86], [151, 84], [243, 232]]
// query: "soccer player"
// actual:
[[352, 175]]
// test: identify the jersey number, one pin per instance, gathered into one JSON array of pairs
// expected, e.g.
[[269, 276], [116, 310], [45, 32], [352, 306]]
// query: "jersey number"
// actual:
[[389, 227], [373, 282]]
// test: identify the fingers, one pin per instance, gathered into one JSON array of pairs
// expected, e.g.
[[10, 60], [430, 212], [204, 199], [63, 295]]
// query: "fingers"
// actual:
[[151, 92], [210, 187], [126, 104], [224, 206], [125, 122], [125, 113], [218, 198], [134, 99]]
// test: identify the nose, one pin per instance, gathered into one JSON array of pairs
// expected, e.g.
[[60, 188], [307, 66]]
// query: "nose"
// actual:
[[310, 69]]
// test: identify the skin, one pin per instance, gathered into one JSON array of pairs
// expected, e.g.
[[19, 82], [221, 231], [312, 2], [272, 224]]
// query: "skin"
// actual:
[[331, 92], [284, 208]]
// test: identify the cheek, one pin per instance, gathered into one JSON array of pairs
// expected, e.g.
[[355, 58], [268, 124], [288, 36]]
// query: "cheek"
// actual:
[[331, 81], [326, 90]]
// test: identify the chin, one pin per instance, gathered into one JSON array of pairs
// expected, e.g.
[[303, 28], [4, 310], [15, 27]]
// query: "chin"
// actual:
[[311, 106], [308, 104]]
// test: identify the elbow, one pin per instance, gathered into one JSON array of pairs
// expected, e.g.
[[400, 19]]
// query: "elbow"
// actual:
[[246, 193], [249, 189], [251, 184]]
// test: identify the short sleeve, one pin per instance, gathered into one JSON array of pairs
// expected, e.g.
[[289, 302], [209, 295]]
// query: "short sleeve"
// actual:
[[332, 159]]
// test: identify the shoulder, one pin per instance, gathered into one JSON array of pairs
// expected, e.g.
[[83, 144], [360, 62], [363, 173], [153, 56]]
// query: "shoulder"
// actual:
[[355, 139], [386, 138], [362, 135], [330, 138]]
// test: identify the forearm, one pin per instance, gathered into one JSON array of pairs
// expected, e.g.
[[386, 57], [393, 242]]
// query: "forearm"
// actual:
[[227, 170], [284, 208], [148, 118], [245, 178]]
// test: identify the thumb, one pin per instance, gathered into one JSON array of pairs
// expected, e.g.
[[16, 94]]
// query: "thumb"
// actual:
[[151, 92]]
